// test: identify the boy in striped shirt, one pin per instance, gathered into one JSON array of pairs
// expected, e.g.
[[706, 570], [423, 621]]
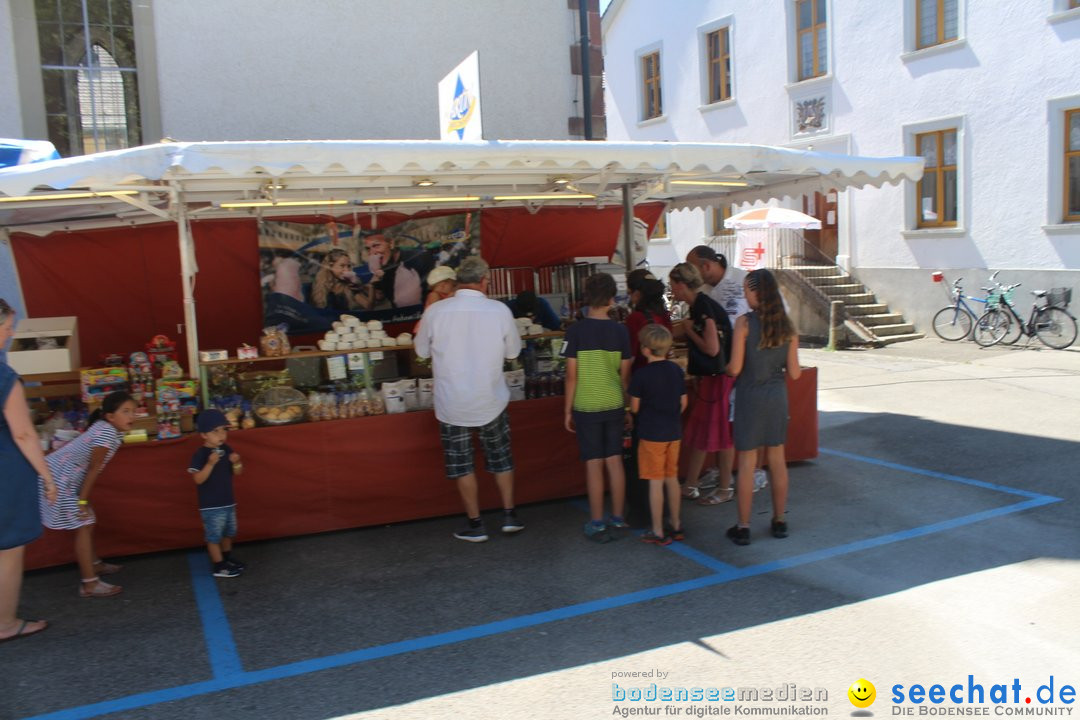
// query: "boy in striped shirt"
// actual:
[[598, 360]]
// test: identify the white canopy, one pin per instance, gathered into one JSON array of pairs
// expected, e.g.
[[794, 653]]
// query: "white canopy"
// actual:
[[345, 177]]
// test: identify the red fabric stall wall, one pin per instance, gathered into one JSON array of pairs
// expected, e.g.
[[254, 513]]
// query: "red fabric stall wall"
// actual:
[[124, 284]]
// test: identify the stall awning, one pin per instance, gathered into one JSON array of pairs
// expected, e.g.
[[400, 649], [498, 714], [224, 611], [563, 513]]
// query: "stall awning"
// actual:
[[342, 178]]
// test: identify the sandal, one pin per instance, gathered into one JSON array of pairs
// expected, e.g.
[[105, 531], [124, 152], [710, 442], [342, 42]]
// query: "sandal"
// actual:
[[105, 568], [691, 492], [100, 588], [22, 632], [717, 497]]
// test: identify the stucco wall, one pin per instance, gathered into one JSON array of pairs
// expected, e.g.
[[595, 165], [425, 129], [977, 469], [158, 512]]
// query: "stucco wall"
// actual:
[[1000, 79], [10, 119], [279, 69]]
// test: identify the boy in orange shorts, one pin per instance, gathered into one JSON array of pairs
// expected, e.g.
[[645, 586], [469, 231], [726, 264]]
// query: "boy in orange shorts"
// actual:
[[658, 399]]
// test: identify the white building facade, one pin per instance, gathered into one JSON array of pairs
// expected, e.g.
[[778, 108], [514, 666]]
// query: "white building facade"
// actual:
[[285, 70], [989, 93]]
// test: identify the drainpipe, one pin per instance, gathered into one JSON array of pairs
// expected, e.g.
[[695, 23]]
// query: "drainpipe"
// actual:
[[586, 77]]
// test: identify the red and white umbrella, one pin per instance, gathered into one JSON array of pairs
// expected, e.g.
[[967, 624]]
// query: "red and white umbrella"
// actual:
[[772, 217]]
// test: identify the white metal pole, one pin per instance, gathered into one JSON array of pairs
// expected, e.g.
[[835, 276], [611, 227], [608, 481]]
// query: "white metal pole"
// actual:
[[187, 276]]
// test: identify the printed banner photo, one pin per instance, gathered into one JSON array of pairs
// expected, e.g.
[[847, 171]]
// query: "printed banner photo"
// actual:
[[311, 274]]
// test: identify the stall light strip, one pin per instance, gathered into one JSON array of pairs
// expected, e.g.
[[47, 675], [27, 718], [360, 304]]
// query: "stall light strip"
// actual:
[[303, 667], [68, 196]]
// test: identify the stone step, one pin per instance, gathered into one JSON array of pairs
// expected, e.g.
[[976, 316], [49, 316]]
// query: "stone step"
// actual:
[[858, 299], [829, 280], [875, 319], [845, 289], [890, 339], [896, 329], [811, 271], [860, 311]]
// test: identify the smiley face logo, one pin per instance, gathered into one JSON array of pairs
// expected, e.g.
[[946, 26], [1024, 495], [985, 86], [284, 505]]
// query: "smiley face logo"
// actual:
[[862, 693]]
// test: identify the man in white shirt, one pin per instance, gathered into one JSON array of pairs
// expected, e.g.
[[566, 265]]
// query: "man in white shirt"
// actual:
[[468, 337], [727, 281]]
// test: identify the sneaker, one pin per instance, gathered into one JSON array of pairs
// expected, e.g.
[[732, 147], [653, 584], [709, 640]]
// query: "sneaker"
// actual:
[[739, 535], [597, 533], [779, 528], [234, 563], [472, 534], [224, 570], [617, 522], [761, 479], [654, 539], [511, 524]]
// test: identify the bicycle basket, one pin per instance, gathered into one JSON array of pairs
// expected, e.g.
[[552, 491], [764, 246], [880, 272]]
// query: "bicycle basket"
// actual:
[[1061, 297], [995, 298]]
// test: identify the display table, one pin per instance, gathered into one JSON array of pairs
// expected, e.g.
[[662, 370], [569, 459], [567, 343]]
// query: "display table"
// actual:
[[316, 477]]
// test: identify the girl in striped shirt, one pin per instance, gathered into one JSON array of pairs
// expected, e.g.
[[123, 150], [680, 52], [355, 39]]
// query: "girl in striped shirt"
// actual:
[[75, 468]]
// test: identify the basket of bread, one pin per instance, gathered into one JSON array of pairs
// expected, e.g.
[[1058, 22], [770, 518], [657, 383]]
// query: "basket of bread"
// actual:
[[280, 406]]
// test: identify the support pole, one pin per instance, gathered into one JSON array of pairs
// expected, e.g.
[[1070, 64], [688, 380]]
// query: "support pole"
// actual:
[[628, 228], [836, 323], [187, 278]]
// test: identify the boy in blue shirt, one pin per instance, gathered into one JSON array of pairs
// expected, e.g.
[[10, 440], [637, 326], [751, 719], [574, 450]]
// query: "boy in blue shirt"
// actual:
[[658, 398], [597, 352], [214, 476]]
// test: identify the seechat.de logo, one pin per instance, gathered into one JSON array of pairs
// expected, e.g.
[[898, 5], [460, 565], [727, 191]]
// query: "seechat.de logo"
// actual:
[[862, 693]]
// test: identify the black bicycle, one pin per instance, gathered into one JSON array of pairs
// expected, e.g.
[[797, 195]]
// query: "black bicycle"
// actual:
[[1051, 323]]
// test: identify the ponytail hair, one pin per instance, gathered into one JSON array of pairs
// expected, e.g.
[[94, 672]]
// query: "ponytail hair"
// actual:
[[109, 405], [776, 327]]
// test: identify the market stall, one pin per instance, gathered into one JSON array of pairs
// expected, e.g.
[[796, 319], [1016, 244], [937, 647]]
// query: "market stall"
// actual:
[[538, 204]]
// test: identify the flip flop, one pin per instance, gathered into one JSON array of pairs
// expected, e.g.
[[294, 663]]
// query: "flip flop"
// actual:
[[717, 497], [21, 632], [691, 492]]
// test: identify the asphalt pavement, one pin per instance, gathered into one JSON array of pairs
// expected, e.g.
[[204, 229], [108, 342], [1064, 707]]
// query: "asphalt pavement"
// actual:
[[935, 537]]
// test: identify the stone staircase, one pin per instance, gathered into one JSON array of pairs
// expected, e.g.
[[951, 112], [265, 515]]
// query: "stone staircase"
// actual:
[[866, 320]]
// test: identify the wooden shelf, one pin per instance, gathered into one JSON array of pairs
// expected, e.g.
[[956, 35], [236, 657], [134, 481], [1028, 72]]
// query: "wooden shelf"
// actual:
[[331, 353]]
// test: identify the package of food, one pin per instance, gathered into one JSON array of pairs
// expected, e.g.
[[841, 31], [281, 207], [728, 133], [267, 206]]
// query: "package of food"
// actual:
[[425, 393], [393, 397], [274, 342], [515, 380]]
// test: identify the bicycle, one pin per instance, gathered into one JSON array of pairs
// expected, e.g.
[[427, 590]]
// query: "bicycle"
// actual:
[[1051, 323], [955, 322]]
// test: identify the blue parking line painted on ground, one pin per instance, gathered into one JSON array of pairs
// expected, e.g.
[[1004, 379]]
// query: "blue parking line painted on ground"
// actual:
[[229, 674], [220, 646], [932, 473]]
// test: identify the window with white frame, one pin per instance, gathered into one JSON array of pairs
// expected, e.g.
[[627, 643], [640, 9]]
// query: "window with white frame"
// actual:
[[811, 43], [936, 22], [1072, 166], [718, 62], [89, 75], [651, 101], [938, 199]]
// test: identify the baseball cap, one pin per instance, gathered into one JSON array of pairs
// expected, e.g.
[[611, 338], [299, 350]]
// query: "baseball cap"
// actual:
[[440, 273], [210, 420]]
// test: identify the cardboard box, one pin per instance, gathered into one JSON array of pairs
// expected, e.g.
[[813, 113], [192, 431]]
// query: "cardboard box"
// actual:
[[212, 355], [24, 356]]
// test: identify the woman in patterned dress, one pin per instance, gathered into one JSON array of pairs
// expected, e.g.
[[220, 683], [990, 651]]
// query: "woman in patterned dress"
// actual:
[[76, 467], [21, 461]]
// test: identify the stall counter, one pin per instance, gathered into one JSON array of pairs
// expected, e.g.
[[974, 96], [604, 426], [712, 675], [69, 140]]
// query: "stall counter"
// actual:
[[318, 477]]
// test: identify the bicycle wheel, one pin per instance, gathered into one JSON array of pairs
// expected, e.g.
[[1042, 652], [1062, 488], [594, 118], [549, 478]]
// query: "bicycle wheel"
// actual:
[[952, 324], [992, 327], [1055, 327]]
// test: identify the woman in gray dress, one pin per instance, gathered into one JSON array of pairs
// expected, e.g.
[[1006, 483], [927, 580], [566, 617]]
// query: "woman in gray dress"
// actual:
[[21, 463], [764, 345]]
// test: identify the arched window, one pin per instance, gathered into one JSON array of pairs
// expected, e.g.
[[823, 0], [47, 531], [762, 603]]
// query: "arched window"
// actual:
[[89, 74]]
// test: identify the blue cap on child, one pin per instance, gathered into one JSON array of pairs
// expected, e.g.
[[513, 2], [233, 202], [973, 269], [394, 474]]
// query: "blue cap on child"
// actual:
[[210, 420]]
